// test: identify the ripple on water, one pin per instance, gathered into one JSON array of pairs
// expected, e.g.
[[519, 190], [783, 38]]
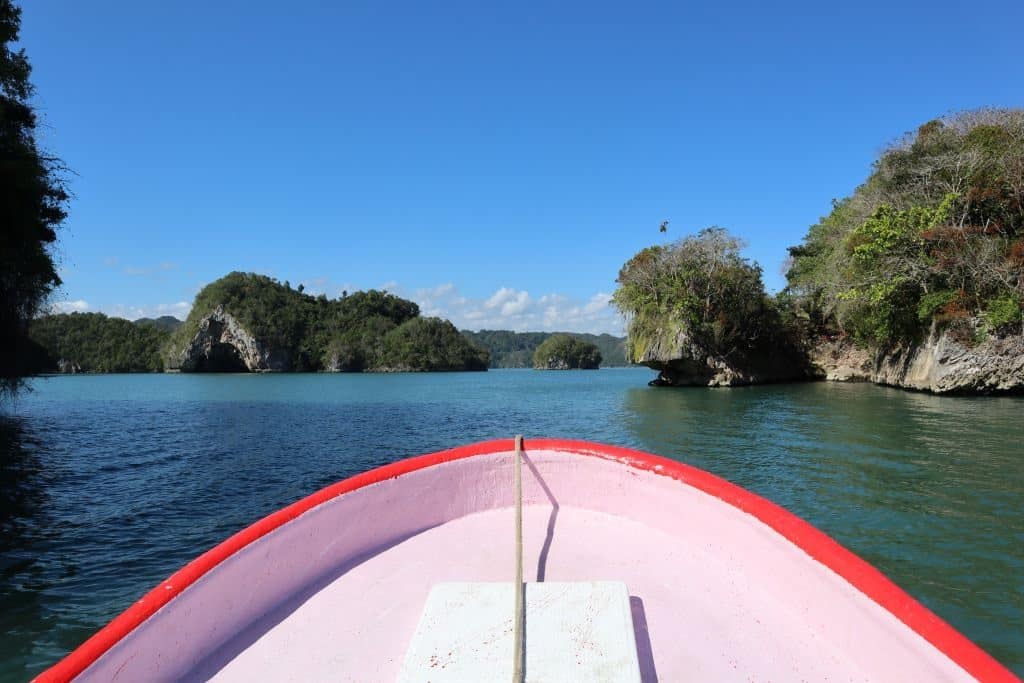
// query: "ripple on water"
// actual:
[[112, 483]]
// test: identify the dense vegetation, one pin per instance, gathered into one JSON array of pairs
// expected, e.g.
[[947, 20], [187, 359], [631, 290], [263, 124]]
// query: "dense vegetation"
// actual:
[[515, 349], [369, 330], [935, 234], [33, 203], [92, 342], [563, 351], [700, 285], [167, 323], [431, 344]]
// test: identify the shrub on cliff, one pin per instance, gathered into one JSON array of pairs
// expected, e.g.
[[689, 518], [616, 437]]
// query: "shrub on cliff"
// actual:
[[936, 233], [700, 285], [562, 351]]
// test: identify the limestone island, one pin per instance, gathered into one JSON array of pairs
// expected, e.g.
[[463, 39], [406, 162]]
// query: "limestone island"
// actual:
[[246, 322], [565, 352], [914, 281]]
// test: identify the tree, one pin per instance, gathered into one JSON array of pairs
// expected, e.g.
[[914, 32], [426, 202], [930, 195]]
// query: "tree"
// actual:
[[33, 203], [92, 342], [700, 284], [935, 235], [565, 352]]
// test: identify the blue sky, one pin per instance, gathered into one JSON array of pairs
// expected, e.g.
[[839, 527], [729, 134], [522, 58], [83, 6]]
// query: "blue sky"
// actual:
[[497, 162]]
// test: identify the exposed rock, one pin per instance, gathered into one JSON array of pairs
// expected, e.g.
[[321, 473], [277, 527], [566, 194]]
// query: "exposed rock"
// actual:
[[839, 360], [222, 344], [335, 363], [68, 367], [552, 363], [683, 362], [941, 363]]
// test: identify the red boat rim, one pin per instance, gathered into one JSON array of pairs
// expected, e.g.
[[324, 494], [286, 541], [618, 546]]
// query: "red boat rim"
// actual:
[[861, 575]]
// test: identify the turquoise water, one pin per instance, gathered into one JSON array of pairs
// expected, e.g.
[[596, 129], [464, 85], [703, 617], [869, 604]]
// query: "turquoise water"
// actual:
[[110, 483]]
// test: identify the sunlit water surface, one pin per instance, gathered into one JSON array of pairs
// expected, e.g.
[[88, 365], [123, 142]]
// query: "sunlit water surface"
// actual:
[[110, 483]]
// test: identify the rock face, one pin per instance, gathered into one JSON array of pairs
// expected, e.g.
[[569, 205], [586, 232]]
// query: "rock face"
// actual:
[[841, 361], [67, 367], [222, 344], [940, 364], [554, 364], [682, 362]]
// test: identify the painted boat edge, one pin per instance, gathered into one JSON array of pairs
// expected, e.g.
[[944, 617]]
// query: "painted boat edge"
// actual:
[[816, 543]]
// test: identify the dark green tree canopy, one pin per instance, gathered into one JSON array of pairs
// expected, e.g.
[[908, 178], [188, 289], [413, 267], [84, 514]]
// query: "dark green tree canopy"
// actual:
[[358, 331], [515, 349], [563, 351], [92, 342], [430, 344], [33, 203]]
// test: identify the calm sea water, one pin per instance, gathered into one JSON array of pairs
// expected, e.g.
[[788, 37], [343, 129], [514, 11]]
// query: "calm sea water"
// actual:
[[110, 483]]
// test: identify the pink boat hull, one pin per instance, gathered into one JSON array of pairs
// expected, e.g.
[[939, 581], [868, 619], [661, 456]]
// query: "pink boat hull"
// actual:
[[723, 584]]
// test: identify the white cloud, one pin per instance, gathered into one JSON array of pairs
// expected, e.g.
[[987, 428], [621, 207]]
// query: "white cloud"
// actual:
[[506, 309], [436, 292], [77, 306], [516, 306], [512, 309], [179, 310], [598, 303], [500, 297]]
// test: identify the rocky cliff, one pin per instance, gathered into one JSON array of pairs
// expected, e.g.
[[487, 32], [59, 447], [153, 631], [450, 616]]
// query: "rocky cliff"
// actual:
[[682, 362], [222, 344], [942, 363]]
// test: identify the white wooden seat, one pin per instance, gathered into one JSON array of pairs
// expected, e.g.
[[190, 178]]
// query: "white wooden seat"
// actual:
[[575, 631]]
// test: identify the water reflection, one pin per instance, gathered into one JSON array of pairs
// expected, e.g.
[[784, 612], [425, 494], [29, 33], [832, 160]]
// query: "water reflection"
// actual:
[[112, 482], [24, 529], [928, 488]]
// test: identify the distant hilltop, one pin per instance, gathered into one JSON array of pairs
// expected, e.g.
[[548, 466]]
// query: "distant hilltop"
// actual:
[[167, 323], [246, 322], [516, 349]]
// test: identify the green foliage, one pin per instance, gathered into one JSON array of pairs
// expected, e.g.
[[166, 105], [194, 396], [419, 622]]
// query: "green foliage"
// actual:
[[888, 231], [96, 343], [881, 311], [33, 203], [932, 235], [515, 349], [563, 350], [167, 323], [701, 285], [1004, 311], [352, 333], [430, 344], [933, 302]]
